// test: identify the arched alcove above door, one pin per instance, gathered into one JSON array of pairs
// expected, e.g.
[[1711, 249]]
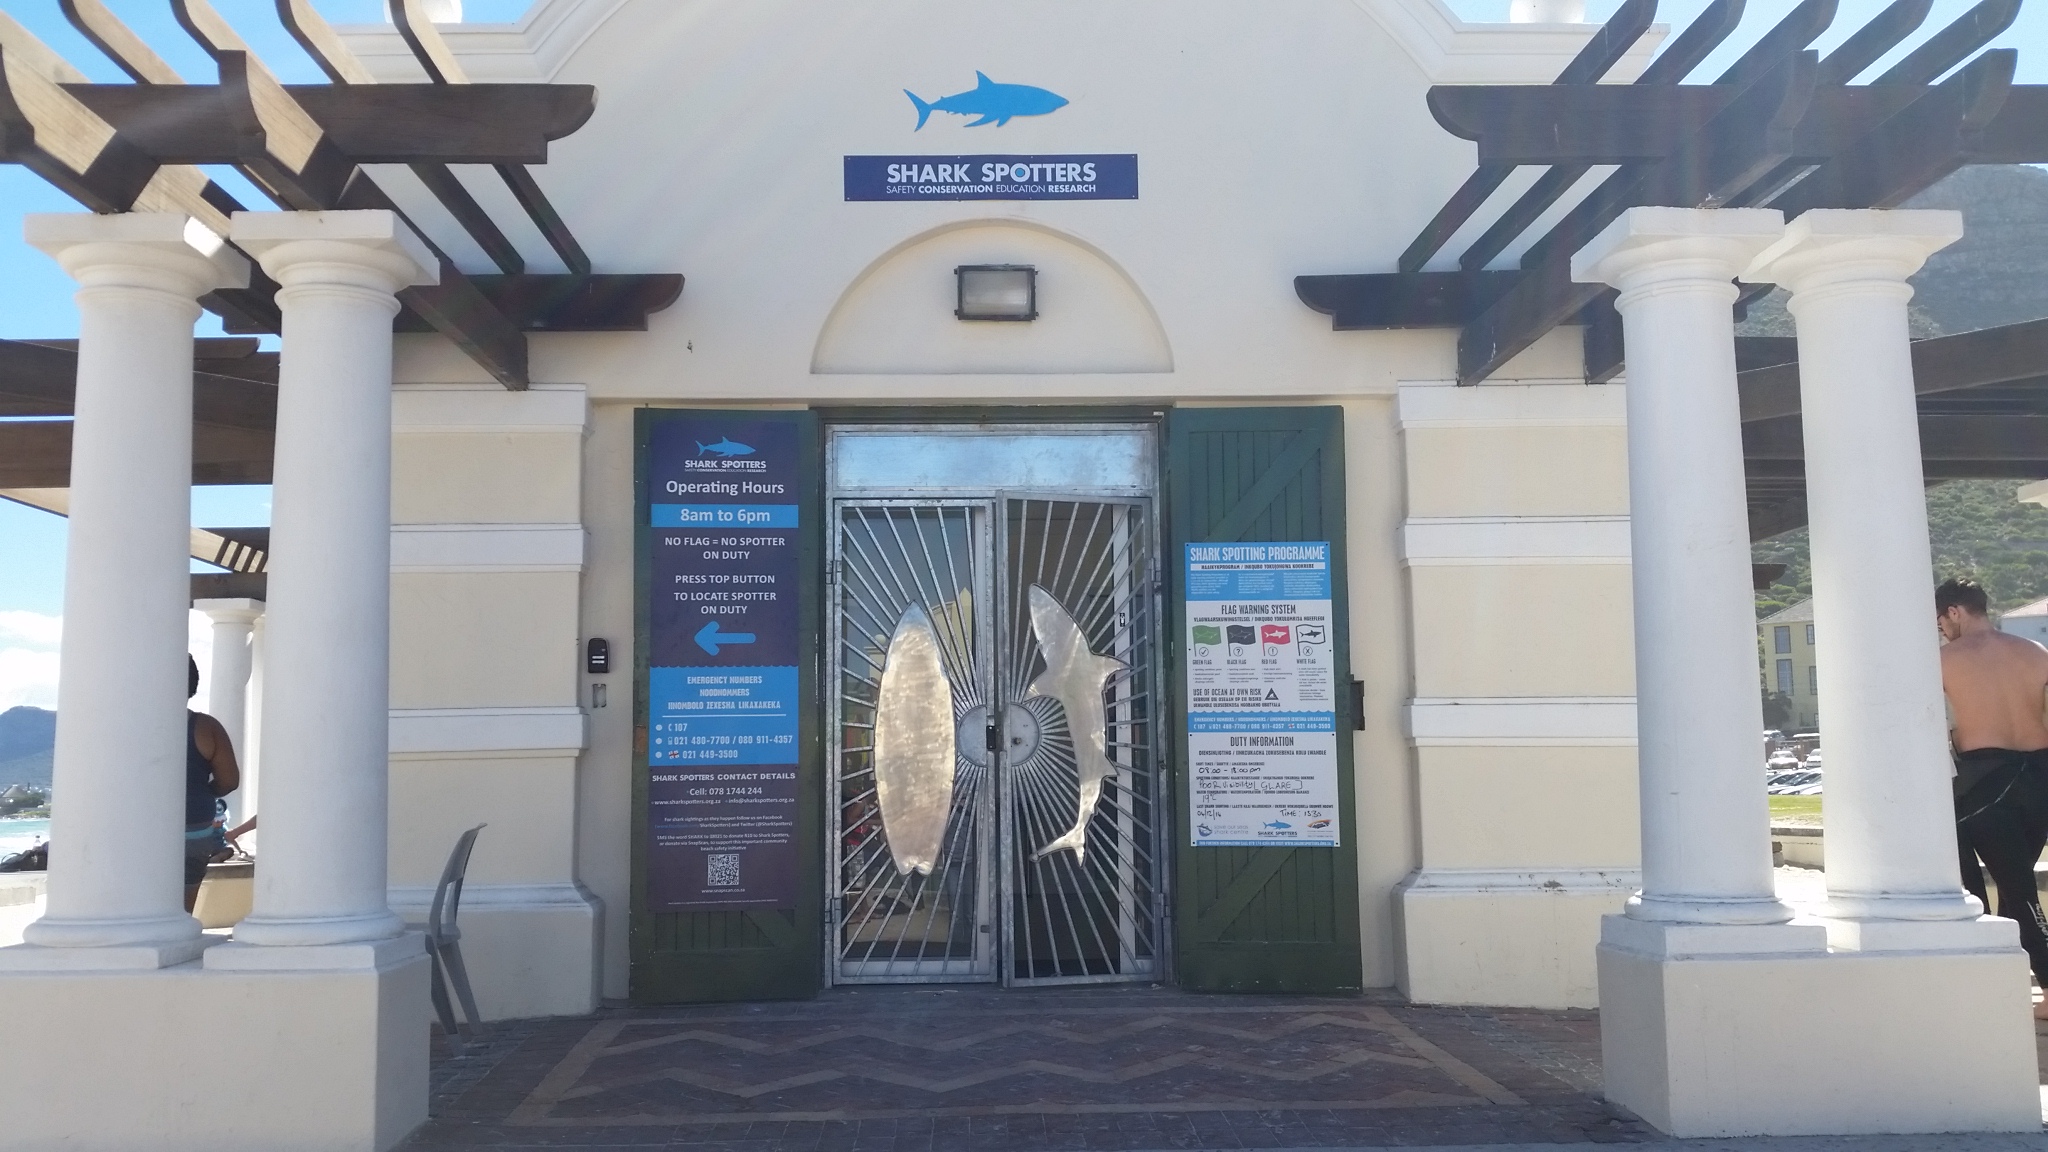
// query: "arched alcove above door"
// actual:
[[897, 316]]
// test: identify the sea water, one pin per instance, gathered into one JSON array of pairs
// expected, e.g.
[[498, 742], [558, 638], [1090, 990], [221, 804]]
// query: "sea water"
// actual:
[[17, 834]]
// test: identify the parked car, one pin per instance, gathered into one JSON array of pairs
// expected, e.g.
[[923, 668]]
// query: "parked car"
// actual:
[[1781, 762], [1784, 784], [1813, 759]]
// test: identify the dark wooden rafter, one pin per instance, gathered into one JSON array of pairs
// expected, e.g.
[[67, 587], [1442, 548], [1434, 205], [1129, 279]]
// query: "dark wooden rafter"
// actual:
[[1983, 399], [1780, 128], [382, 124], [1976, 439], [1749, 138], [234, 413], [311, 30], [287, 153], [526, 190], [1410, 300], [1699, 39], [1600, 54], [440, 181], [40, 379], [1952, 45], [1781, 514], [1600, 338], [37, 454], [1868, 44], [305, 146], [571, 303], [1941, 364], [443, 69]]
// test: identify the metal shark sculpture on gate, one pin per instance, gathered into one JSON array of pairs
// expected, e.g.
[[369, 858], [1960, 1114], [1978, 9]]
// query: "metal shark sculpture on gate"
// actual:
[[1074, 675], [994, 103]]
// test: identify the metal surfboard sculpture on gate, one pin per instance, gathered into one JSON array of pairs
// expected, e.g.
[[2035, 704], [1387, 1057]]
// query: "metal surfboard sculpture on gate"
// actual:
[[914, 745]]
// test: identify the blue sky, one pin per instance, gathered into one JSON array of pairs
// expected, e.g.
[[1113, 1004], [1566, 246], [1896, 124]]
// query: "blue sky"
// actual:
[[35, 297]]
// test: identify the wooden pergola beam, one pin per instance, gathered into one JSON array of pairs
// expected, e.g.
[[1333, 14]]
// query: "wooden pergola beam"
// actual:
[[1593, 61], [1746, 141], [1777, 516], [39, 380], [1982, 440], [604, 302], [1357, 303], [37, 454], [1988, 356], [1622, 124], [369, 123]]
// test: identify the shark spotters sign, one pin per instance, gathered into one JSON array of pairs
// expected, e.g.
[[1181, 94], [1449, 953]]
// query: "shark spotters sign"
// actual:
[[1075, 177], [724, 646]]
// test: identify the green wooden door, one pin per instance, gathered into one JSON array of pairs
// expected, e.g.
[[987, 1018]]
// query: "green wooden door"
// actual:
[[755, 953], [1270, 919]]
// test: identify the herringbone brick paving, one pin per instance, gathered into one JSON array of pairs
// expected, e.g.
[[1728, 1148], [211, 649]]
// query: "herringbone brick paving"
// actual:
[[1117, 1069]]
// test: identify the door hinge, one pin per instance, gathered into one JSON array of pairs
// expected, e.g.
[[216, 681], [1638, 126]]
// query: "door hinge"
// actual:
[[994, 735]]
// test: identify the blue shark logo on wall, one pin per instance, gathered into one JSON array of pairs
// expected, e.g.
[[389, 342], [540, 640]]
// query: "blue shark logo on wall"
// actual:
[[994, 103], [727, 447]]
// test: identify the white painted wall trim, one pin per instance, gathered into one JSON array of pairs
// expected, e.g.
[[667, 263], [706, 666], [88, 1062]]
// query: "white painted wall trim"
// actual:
[[1514, 540], [444, 408], [1452, 51], [1489, 881], [429, 732], [1522, 721], [487, 547], [1526, 404], [529, 50], [1448, 49]]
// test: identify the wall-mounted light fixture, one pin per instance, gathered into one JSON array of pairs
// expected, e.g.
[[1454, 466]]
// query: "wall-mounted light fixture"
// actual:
[[997, 292]]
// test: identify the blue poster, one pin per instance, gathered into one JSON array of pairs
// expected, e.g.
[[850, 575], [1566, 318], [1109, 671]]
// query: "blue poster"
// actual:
[[1261, 695], [1075, 177], [722, 678]]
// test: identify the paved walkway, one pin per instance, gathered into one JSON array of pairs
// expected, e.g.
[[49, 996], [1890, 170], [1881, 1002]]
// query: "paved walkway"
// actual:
[[911, 1069]]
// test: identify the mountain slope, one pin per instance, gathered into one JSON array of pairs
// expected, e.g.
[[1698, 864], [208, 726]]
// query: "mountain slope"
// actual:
[[25, 730]]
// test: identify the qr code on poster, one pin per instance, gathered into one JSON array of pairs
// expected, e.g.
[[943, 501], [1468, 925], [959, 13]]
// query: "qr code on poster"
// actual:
[[721, 870]]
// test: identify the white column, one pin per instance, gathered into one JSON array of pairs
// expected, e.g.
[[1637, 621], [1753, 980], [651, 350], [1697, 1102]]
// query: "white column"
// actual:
[[115, 897], [1890, 821], [227, 679], [326, 697], [252, 729], [1706, 826]]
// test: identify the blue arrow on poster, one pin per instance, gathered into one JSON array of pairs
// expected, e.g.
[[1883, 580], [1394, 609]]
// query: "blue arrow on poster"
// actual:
[[709, 637]]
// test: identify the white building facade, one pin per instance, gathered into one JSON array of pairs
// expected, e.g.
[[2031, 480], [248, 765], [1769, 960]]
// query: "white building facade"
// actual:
[[1463, 820]]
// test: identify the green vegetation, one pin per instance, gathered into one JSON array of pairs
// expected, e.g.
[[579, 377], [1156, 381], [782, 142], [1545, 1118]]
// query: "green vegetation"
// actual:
[[1977, 529], [1991, 276], [1795, 809]]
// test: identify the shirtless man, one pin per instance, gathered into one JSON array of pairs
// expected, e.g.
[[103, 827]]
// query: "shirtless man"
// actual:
[[1997, 688]]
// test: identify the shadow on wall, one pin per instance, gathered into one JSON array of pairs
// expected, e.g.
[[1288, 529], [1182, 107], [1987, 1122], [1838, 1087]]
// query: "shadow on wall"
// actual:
[[897, 316]]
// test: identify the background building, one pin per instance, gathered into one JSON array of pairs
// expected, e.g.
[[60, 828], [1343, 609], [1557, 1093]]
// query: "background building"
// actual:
[[1786, 641], [2028, 620]]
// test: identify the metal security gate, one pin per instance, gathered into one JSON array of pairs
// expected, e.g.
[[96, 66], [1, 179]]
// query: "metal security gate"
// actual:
[[997, 791]]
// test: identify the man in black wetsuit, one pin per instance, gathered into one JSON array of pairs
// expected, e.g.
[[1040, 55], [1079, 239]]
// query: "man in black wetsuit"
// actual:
[[1997, 688], [210, 773]]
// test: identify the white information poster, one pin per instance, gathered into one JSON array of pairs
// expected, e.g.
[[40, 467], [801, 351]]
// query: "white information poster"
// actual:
[[1262, 695]]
